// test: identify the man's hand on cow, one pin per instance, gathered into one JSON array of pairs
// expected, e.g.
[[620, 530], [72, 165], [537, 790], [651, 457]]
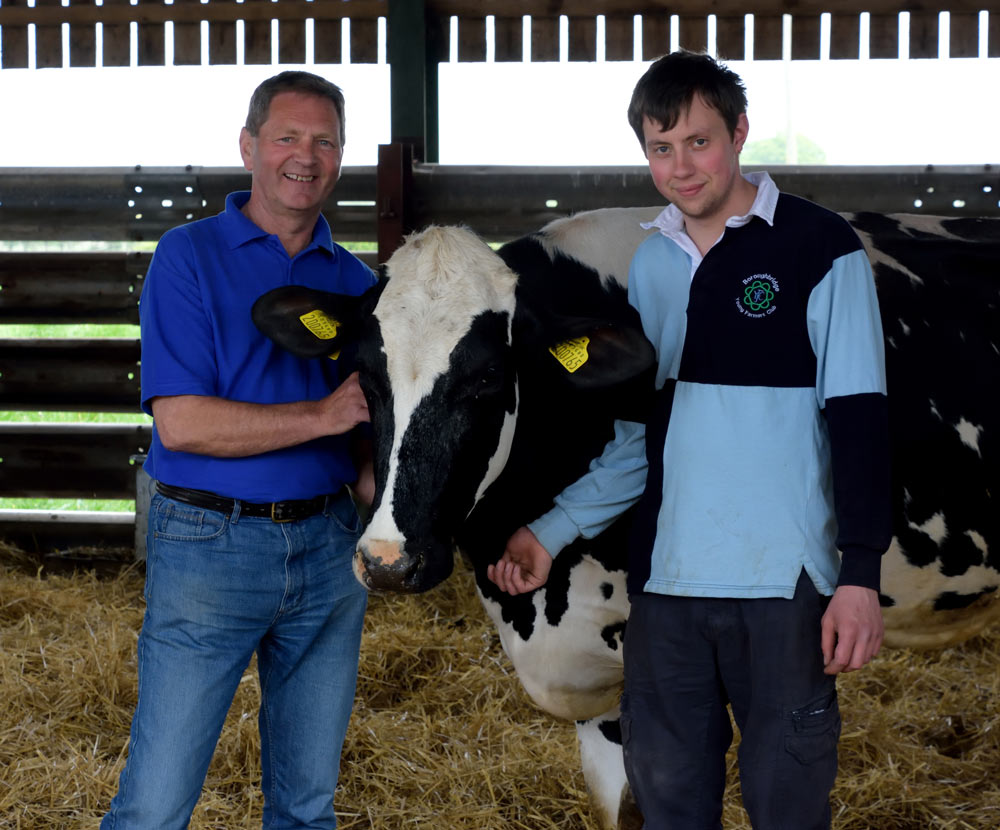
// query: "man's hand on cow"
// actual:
[[524, 566], [345, 407], [852, 629]]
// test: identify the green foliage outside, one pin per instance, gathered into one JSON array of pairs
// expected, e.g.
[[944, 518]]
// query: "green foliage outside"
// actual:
[[775, 151]]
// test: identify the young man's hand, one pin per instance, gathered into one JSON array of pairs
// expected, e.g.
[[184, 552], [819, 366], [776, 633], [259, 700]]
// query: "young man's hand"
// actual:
[[852, 629], [524, 566]]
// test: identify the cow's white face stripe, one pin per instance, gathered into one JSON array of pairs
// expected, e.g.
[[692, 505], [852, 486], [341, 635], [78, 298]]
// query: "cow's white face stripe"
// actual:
[[499, 459], [439, 282]]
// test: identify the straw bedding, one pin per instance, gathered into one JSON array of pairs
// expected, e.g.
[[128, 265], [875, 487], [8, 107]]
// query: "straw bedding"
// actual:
[[442, 735]]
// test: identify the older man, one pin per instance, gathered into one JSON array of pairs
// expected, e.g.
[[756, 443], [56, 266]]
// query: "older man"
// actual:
[[252, 528]]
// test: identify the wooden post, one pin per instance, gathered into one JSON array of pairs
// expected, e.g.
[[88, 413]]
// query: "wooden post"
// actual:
[[394, 188]]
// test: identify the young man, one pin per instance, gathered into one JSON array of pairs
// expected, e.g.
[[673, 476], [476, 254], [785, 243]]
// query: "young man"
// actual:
[[767, 452], [252, 529]]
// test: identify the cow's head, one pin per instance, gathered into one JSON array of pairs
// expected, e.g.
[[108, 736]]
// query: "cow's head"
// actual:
[[441, 343]]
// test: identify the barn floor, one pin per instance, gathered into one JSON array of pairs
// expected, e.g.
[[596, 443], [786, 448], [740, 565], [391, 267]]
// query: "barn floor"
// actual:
[[443, 736]]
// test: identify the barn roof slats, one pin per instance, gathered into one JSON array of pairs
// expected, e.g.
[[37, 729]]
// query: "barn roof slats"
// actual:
[[187, 40], [472, 39], [964, 32], [151, 41], [508, 39], [692, 31], [364, 41], [48, 40], [806, 38], [923, 35], [582, 39], [619, 38], [845, 36], [730, 36], [655, 35], [257, 42], [222, 43], [544, 38], [768, 31], [657, 16], [116, 36], [13, 39]]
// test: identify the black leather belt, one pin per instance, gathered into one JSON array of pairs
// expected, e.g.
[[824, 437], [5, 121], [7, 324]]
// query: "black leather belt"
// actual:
[[276, 511]]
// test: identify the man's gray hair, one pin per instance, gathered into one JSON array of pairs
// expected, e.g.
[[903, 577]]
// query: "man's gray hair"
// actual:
[[293, 81]]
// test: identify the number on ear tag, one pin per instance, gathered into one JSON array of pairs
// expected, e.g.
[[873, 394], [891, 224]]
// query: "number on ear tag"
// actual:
[[572, 353], [322, 326]]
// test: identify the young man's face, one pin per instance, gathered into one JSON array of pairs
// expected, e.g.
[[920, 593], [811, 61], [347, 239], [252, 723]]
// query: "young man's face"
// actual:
[[695, 164], [295, 157]]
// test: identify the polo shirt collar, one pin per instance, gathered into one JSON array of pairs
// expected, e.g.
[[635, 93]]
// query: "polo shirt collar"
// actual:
[[670, 222], [237, 229]]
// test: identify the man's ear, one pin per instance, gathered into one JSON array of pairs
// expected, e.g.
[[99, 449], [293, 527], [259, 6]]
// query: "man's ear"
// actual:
[[311, 323], [246, 149]]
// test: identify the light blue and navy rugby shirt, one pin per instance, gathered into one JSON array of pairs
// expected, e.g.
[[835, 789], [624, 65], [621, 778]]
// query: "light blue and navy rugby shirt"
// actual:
[[768, 450]]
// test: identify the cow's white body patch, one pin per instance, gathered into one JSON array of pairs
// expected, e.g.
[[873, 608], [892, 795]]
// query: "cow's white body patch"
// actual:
[[979, 542], [914, 622], [935, 527], [604, 239], [439, 282], [569, 669], [603, 766], [969, 433]]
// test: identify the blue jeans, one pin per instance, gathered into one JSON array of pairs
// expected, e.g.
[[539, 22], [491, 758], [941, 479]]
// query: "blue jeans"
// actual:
[[220, 587]]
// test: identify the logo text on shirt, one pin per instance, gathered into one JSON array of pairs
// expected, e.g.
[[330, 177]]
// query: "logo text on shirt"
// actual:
[[757, 299]]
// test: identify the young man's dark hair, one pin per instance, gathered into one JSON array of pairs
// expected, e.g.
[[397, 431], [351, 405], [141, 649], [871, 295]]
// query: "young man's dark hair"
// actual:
[[293, 81], [668, 87]]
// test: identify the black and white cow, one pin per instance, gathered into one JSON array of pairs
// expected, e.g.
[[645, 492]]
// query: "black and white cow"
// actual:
[[486, 402]]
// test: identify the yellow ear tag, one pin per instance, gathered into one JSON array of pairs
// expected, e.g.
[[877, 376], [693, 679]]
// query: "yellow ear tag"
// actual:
[[572, 354], [321, 326]]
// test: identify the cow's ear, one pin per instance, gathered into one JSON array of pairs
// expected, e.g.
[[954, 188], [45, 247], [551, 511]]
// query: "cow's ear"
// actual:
[[602, 355], [311, 323]]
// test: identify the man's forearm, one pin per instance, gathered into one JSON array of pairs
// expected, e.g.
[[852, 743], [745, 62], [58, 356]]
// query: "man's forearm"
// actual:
[[233, 429]]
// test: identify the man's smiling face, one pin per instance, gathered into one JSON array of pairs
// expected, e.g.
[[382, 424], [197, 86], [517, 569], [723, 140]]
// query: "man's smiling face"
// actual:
[[295, 157], [695, 164]]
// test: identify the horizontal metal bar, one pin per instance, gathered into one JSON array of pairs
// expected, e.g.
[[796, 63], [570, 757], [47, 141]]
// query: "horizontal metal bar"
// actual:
[[141, 203], [504, 202], [41, 531], [96, 375], [71, 287], [60, 460]]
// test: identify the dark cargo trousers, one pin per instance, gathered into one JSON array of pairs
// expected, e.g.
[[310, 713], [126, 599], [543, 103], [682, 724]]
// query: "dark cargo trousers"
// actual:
[[685, 659]]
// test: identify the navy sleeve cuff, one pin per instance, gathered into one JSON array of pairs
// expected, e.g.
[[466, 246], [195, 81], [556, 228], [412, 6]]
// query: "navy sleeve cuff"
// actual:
[[860, 566]]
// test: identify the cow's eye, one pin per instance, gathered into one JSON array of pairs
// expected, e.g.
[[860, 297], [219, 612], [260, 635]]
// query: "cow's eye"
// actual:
[[490, 381]]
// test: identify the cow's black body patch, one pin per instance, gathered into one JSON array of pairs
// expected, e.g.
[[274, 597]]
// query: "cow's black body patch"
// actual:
[[950, 601], [939, 293]]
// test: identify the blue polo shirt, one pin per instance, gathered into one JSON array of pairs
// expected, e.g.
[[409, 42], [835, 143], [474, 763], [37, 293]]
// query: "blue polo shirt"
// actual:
[[198, 339]]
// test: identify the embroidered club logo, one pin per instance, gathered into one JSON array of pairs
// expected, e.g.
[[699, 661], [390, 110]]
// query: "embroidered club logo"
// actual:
[[758, 296]]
